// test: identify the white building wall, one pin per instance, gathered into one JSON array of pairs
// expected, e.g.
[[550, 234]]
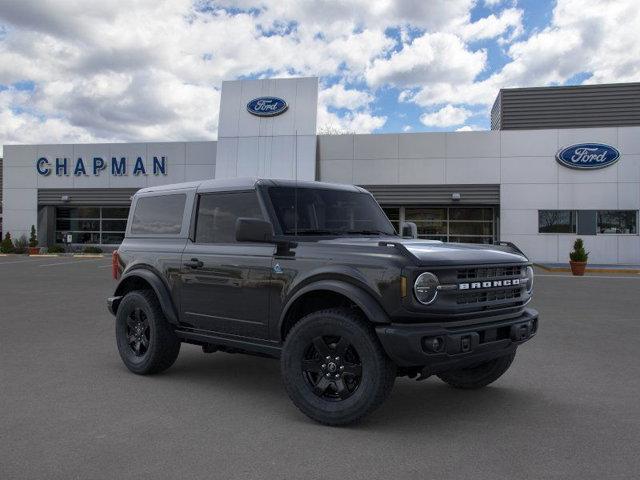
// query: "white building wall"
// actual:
[[283, 146], [521, 162], [184, 161]]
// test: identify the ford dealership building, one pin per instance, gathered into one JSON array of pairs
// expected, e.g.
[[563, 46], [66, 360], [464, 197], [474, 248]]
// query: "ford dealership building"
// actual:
[[559, 162]]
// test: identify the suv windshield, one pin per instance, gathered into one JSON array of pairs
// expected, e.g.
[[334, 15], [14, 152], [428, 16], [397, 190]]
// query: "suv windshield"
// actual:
[[315, 211]]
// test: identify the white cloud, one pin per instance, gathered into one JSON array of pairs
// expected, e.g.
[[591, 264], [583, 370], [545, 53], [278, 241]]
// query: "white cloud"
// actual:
[[407, 128], [469, 128], [151, 69], [351, 122], [509, 20], [358, 118], [432, 57], [492, 3], [447, 116], [338, 96], [583, 37]]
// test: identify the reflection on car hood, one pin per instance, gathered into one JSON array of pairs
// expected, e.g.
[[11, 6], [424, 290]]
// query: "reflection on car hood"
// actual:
[[433, 252]]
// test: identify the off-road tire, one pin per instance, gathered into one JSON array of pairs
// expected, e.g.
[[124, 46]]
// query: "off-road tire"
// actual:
[[377, 376], [478, 376], [163, 344]]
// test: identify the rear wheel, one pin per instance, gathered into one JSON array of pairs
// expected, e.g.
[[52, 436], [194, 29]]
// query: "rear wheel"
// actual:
[[478, 376], [334, 368], [146, 342]]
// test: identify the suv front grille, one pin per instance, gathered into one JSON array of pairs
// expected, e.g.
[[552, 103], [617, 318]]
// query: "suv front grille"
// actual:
[[466, 298], [489, 272]]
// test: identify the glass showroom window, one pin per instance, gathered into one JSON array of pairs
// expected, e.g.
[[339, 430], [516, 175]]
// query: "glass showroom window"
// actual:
[[471, 225], [556, 221], [618, 221], [453, 224], [93, 225], [393, 214]]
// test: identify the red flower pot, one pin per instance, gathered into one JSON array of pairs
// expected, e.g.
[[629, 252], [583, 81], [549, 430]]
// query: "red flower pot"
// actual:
[[578, 268]]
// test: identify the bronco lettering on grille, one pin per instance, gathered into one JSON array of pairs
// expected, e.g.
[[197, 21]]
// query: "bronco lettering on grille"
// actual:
[[489, 284]]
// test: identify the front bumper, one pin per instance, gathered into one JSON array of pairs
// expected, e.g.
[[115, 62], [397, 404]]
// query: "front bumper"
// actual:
[[412, 345]]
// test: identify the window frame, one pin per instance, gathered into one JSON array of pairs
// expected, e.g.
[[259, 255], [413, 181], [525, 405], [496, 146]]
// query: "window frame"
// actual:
[[616, 210], [573, 211], [447, 221], [101, 232], [186, 214], [193, 230]]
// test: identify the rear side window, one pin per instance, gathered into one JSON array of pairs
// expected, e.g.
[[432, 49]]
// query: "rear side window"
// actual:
[[218, 212], [159, 215]]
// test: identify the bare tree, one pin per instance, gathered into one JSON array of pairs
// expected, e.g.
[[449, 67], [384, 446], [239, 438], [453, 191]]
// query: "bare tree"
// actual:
[[332, 129]]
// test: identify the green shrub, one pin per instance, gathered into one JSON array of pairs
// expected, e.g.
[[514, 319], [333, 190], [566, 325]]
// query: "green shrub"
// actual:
[[21, 244], [33, 238], [56, 249], [92, 250], [7, 244], [579, 254]]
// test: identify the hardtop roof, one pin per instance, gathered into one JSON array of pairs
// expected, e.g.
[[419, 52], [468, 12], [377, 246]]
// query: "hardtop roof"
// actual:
[[224, 184]]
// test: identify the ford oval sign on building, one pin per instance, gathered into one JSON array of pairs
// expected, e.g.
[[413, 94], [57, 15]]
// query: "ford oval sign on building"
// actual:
[[267, 106], [588, 156]]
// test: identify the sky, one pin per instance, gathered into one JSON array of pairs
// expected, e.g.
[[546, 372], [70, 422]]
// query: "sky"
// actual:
[[77, 71]]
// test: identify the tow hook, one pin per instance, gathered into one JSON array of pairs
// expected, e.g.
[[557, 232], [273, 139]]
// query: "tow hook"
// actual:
[[424, 374]]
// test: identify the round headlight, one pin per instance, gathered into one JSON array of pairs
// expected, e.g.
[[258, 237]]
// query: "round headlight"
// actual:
[[529, 274], [426, 288]]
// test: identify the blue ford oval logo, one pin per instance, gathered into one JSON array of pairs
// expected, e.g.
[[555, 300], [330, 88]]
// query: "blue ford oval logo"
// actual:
[[267, 106], [588, 156]]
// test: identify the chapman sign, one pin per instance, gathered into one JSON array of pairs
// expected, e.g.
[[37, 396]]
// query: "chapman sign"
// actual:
[[588, 156], [96, 165], [267, 106]]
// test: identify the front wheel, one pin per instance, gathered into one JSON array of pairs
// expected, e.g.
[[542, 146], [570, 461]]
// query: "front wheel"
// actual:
[[480, 375], [334, 368], [146, 342]]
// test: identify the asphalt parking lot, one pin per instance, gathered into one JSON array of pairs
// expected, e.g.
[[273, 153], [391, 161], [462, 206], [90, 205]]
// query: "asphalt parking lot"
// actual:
[[568, 408]]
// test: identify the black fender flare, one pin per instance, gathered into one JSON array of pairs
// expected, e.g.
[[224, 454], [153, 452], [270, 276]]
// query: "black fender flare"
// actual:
[[159, 288], [364, 300]]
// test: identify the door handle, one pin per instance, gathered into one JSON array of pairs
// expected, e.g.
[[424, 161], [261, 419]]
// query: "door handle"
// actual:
[[194, 263]]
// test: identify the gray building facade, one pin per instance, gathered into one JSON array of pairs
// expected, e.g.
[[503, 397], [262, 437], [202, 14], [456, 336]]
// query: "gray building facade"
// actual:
[[578, 106], [480, 187]]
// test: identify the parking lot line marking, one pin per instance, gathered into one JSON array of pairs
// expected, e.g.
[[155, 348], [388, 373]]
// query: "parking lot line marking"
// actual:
[[69, 263], [17, 261]]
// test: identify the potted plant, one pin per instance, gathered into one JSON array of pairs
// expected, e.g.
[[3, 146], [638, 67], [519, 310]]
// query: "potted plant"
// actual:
[[578, 258], [33, 242], [7, 244], [21, 245]]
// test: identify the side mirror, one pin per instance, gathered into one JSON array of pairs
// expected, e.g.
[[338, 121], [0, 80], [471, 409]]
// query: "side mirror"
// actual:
[[253, 230], [409, 230]]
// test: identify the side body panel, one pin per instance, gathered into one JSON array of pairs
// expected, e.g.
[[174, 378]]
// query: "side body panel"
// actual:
[[315, 266], [230, 292]]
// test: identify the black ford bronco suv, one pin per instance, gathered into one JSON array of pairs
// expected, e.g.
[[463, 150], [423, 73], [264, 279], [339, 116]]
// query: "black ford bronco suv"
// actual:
[[314, 274]]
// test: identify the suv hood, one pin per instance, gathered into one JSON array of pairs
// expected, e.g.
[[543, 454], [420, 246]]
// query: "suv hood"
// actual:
[[432, 252]]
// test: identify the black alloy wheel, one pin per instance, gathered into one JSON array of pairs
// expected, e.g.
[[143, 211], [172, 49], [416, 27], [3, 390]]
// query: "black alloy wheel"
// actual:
[[332, 367], [138, 332], [147, 343]]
